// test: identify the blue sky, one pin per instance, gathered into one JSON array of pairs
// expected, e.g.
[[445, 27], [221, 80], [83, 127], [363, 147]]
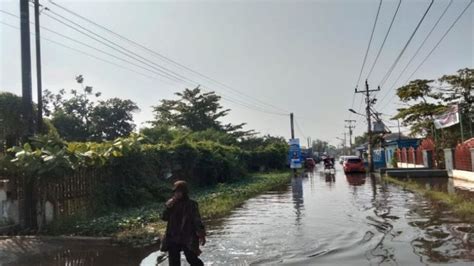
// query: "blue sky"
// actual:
[[301, 56]]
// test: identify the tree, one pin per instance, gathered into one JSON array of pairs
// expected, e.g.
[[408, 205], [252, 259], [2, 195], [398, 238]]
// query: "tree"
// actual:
[[12, 125], [112, 118], [70, 114], [78, 117], [196, 111], [377, 140], [421, 99], [459, 89], [320, 146]]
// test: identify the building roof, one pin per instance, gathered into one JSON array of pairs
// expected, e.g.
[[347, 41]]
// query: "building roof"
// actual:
[[394, 136]]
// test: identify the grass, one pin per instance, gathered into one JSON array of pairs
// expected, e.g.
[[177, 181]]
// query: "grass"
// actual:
[[142, 226], [462, 208]]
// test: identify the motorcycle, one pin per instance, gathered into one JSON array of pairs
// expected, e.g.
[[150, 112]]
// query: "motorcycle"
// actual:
[[329, 164]]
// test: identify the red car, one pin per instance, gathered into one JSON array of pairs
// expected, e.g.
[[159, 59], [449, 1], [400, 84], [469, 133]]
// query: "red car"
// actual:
[[353, 164]]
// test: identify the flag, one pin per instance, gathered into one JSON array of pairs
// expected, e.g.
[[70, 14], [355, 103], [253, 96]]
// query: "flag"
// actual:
[[449, 118]]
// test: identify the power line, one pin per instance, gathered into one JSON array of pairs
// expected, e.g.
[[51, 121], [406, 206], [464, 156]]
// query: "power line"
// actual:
[[229, 99], [169, 74], [299, 129], [392, 67], [418, 50], [82, 52], [370, 42], [436, 46], [166, 58], [384, 39], [365, 57], [90, 46]]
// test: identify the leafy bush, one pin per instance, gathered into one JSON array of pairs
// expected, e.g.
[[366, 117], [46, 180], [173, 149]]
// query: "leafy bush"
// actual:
[[135, 170]]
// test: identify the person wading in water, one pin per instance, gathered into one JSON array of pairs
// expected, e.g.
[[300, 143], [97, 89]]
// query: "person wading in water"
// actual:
[[185, 230]]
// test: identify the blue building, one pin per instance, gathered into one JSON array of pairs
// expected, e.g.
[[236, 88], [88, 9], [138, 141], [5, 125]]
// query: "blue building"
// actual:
[[401, 142], [383, 156]]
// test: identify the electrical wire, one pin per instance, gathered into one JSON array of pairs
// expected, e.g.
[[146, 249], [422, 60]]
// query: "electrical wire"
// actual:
[[165, 57], [365, 57], [392, 67], [435, 47], [229, 99], [384, 39], [83, 52], [125, 52], [417, 51], [299, 129], [370, 42]]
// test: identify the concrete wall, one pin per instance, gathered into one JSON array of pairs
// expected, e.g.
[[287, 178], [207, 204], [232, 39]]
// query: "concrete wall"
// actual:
[[410, 165], [463, 175], [458, 174], [9, 211]]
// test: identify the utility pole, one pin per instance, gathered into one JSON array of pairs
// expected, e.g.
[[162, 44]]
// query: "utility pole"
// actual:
[[39, 119], [292, 135], [399, 132], [344, 145], [369, 102], [350, 127], [27, 102], [292, 126], [28, 210]]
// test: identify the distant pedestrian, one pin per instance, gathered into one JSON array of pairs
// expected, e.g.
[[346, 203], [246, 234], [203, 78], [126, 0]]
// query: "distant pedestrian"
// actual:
[[185, 230]]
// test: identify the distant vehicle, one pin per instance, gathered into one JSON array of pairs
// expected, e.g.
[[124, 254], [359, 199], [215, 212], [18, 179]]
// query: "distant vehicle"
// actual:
[[328, 163], [309, 163], [353, 164]]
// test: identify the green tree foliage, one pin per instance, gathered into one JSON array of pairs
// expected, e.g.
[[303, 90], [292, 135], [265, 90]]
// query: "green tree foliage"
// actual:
[[423, 104], [426, 99], [320, 146], [77, 117], [459, 89], [12, 126], [112, 118], [195, 111], [377, 140]]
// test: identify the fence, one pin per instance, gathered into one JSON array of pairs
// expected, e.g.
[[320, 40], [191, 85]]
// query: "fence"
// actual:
[[462, 156], [57, 198], [423, 155]]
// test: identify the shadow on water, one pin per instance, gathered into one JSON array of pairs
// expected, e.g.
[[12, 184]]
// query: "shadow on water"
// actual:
[[71, 253]]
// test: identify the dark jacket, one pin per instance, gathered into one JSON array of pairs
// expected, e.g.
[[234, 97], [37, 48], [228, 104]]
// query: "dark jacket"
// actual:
[[184, 224]]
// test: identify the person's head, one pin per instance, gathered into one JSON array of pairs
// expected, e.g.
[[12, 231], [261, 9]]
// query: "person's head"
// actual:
[[180, 189]]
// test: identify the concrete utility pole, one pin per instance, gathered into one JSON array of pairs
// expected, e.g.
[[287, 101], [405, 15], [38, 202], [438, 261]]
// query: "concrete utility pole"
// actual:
[[369, 102], [292, 126], [345, 142], [27, 101], [350, 127], [28, 211], [39, 119]]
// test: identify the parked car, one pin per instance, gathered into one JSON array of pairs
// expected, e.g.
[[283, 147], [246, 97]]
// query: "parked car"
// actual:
[[353, 164]]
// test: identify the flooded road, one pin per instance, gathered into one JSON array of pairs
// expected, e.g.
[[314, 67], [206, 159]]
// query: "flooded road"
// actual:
[[320, 219]]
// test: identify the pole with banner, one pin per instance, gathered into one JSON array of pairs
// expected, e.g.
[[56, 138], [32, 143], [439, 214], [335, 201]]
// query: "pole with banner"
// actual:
[[295, 154]]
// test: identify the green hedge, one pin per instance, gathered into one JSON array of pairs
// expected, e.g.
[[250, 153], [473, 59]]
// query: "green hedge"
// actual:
[[137, 171]]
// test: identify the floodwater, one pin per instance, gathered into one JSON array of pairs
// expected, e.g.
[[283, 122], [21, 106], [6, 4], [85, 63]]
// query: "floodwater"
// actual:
[[319, 219]]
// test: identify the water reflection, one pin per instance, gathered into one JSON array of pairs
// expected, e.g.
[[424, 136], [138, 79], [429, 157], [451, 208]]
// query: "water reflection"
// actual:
[[316, 221], [356, 179], [297, 194]]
